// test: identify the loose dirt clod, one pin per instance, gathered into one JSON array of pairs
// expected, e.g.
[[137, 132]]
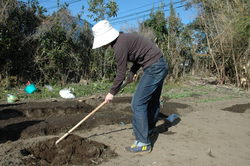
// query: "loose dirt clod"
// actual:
[[73, 150]]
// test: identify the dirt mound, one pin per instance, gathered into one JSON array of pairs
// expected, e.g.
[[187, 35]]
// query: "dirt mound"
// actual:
[[73, 150]]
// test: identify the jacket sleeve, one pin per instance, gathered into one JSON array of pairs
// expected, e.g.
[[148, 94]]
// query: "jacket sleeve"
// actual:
[[121, 59]]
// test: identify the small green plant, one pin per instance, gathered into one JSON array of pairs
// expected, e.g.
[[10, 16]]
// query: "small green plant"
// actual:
[[216, 99]]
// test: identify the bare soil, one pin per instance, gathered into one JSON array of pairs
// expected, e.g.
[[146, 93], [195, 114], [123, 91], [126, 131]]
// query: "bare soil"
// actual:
[[214, 130], [73, 150]]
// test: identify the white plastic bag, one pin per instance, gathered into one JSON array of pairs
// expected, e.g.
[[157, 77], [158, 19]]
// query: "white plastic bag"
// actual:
[[66, 94]]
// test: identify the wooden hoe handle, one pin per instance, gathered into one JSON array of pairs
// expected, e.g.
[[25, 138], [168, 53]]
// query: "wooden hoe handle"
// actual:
[[78, 124]]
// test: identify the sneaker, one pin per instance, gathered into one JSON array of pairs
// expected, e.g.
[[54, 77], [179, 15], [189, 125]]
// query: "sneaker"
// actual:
[[139, 149]]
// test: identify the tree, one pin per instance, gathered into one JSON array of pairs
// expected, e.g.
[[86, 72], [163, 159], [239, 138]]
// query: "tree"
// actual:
[[157, 22], [50, 49], [172, 38], [175, 27], [63, 49], [226, 29], [102, 60], [16, 53], [102, 10]]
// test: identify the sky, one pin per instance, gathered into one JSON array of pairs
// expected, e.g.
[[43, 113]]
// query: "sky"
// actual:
[[130, 11]]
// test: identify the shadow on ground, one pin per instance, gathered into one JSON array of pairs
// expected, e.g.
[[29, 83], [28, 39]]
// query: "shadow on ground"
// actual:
[[13, 132], [238, 108], [10, 113]]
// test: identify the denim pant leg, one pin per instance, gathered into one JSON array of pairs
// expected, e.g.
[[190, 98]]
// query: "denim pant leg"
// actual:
[[154, 108], [148, 91]]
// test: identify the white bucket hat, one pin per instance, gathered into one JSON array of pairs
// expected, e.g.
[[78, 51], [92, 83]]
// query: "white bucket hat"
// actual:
[[104, 34]]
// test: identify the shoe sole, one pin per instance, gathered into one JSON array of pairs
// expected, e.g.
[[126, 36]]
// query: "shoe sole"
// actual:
[[139, 153], [142, 153]]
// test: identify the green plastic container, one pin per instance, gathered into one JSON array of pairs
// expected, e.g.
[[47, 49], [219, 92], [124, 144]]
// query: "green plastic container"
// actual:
[[31, 88]]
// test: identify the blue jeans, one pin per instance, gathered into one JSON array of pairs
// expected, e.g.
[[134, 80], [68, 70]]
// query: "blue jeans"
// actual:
[[146, 100]]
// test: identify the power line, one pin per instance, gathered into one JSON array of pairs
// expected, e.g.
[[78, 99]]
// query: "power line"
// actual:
[[118, 18], [53, 7], [43, 1], [129, 10], [141, 16], [145, 11], [27, 1], [69, 3], [150, 4]]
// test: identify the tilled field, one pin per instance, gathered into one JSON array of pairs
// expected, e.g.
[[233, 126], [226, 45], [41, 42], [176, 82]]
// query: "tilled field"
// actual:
[[210, 133]]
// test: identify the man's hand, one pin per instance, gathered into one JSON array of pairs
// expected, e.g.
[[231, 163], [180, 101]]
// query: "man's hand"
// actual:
[[109, 97], [131, 77]]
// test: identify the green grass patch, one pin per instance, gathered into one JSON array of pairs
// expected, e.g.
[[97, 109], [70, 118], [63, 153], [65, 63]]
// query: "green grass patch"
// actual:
[[216, 99], [79, 90], [44, 93], [173, 90], [130, 88], [171, 85], [177, 90], [177, 95]]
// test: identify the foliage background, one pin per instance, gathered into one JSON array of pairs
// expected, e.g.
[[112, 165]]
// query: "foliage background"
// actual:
[[56, 49]]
